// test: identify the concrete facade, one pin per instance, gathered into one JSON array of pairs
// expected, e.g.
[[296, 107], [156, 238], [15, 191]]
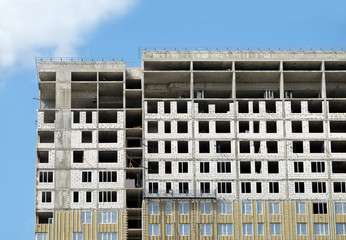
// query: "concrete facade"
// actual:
[[253, 143]]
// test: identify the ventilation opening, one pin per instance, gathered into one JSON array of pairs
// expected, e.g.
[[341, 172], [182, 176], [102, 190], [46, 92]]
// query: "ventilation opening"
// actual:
[[78, 156], [153, 167], [183, 147], [245, 167], [42, 156], [337, 126], [223, 146], [243, 106], [152, 106], [316, 147], [49, 117], [107, 137], [182, 127], [223, 127], [273, 167], [108, 156], [270, 107], [153, 147], [258, 166], [338, 146], [181, 107], [316, 127], [298, 147], [46, 137], [315, 107], [296, 107], [152, 127], [83, 76], [244, 127], [272, 147], [297, 127], [133, 84], [87, 137], [244, 147], [271, 127], [339, 166], [44, 217], [107, 117], [204, 147], [203, 127]]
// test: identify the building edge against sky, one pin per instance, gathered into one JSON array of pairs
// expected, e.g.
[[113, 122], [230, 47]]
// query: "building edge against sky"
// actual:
[[192, 145]]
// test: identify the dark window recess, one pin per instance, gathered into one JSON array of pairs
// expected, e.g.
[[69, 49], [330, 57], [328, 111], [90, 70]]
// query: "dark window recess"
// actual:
[[183, 147], [270, 107], [273, 187], [245, 187], [296, 107], [245, 167], [89, 117], [86, 176], [273, 167], [297, 127], [168, 187], [182, 127], [167, 106], [299, 187], [183, 167], [205, 187], [224, 187], [46, 137], [133, 84], [337, 126], [46, 197], [318, 167], [203, 127], [257, 146], [108, 117], [167, 127], [223, 167], [168, 147], [204, 147], [256, 126], [153, 167], [152, 127], [203, 107], [318, 187], [316, 147], [272, 147], [108, 196], [244, 127], [258, 187], [339, 166], [243, 107], [271, 127], [108, 137], [223, 146], [204, 167], [258, 166], [181, 107], [78, 156], [337, 107], [108, 156], [107, 176], [42, 156], [298, 167], [88, 196], [87, 137], [320, 208], [75, 197], [49, 116], [339, 187], [133, 143], [168, 167], [315, 107], [316, 127], [152, 106], [153, 147], [221, 107], [46, 177], [222, 127], [76, 116], [183, 187], [338, 146], [153, 187], [298, 147], [255, 107], [244, 147]]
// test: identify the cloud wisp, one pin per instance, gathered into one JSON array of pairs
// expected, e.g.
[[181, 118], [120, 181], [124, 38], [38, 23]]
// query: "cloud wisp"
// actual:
[[30, 28]]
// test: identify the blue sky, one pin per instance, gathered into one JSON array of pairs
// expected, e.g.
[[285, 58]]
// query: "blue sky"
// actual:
[[117, 29]]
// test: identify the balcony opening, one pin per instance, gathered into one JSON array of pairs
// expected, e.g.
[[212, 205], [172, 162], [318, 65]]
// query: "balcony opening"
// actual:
[[108, 156], [44, 218], [133, 119], [108, 137], [245, 167], [133, 99], [244, 146], [133, 199], [134, 143]]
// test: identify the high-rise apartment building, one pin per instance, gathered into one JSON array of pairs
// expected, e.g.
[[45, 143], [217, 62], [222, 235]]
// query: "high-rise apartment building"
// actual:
[[224, 145]]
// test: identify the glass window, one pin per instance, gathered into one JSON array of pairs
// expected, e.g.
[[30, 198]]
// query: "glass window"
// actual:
[[260, 228], [226, 229], [108, 236], [169, 229], [321, 228], [301, 228], [340, 228], [259, 207], [340, 208], [274, 208], [108, 217], [205, 208], [206, 229], [153, 229], [86, 217], [41, 236], [153, 208], [77, 236], [168, 208], [275, 228], [247, 229], [300, 208], [246, 207], [225, 208], [184, 208], [184, 229]]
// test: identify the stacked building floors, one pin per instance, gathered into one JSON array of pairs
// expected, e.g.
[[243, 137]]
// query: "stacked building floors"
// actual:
[[193, 145]]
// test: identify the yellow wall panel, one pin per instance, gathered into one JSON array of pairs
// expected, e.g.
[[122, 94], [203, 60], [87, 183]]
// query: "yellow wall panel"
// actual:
[[321, 218], [247, 218]]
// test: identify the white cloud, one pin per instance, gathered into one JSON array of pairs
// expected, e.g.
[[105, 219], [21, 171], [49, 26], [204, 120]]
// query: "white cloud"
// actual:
[[30, 28]]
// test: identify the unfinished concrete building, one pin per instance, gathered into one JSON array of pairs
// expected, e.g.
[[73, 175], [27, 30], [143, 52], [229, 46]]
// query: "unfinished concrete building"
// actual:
[[224, 145]]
